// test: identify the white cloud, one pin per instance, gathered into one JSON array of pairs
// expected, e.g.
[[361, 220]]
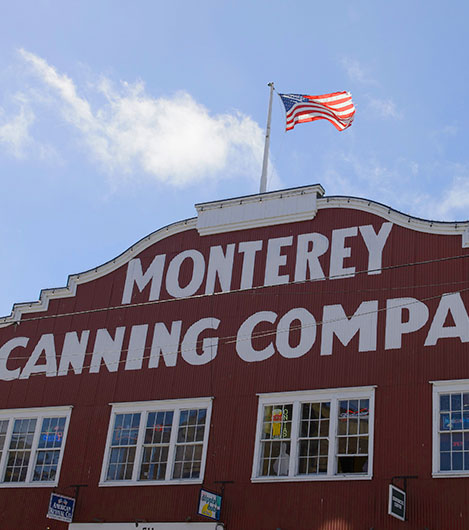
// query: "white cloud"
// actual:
[[379, 106], [357, 72], [171, 139], [14, 131], [454, 204], [385, 108], [368, 177]]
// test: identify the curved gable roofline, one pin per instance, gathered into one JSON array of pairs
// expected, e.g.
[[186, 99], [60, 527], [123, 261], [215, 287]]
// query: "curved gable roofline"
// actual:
[[450, 228], [93, 274], [251, 211]]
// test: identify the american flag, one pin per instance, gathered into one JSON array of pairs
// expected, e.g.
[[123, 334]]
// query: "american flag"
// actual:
[[337, 108]]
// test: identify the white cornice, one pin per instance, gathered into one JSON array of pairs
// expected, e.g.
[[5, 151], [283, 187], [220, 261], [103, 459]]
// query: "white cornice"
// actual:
[[263, 209], [407, 221]]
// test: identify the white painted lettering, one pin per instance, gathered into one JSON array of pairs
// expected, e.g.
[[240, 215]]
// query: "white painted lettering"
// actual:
[[307, 331], [138, 336], [339, 252], [5, 351], [221, 265], [244, 347], [395, 325], [73, 352], [45, 345], [375, 245], [172, 276], [107, 349], [307, 260], [165, 344], [154, 273], [450, 304], [275, 260], [364, 321], [249, 249], [209, 344]]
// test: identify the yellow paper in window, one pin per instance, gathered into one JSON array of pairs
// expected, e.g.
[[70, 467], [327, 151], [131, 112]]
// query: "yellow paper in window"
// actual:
[[276, 422]]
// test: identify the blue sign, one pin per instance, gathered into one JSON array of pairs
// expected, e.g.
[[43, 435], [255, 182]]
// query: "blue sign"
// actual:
[[61, 508]]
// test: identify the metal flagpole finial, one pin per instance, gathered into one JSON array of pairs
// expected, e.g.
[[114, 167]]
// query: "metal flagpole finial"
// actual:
[[263, 186]]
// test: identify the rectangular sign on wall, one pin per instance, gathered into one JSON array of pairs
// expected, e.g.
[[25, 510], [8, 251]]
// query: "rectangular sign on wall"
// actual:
[[397, 502], [209, 504], [61, 508]]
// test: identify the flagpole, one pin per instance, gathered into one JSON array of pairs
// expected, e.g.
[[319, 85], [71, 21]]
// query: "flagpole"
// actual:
[[263, 186]]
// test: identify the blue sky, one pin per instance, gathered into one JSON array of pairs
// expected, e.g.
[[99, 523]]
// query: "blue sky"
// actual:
[[117, 116]]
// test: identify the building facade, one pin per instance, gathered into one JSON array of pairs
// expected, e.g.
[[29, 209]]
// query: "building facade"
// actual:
[[296, 352]]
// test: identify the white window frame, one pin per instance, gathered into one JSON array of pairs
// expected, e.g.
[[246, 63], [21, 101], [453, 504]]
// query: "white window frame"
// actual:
[[444, 387], [144, 407], [37, 413], [334, 395]]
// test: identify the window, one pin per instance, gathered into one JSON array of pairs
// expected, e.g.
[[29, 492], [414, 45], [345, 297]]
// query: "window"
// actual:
[[32, 443], [451, 428], [315, 435], [157, 442]]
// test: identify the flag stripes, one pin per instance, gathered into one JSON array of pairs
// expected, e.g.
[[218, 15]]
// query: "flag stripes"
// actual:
[[337, 108]]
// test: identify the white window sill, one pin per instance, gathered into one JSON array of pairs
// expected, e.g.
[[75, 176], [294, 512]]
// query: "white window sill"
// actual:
[[445, 474], [28, 484], [311, 478], [117, 483]]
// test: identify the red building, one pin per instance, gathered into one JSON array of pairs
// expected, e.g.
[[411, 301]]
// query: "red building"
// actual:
[[297, 351]]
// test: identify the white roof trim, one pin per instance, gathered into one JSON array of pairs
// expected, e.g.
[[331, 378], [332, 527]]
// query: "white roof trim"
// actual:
[[447, 228]]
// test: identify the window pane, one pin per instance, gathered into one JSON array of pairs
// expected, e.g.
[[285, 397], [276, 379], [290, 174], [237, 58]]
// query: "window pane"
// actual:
[[445, 461], [46, 465], [20, 450], [3, 431], [154, 462], [465, 401], [158, 427], [352, 464], [313, 436], [188, 454], [456, 441], [353, 426], [457, 461], [363, 445], [126, 429], [156, 445], [123, 445], [456, 402], [325, 409], [277, 421], [456, 421], [275, 458], [352, 445], [444, 402], [52, 432], [352, 422], [454, 431], [122, 462]]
